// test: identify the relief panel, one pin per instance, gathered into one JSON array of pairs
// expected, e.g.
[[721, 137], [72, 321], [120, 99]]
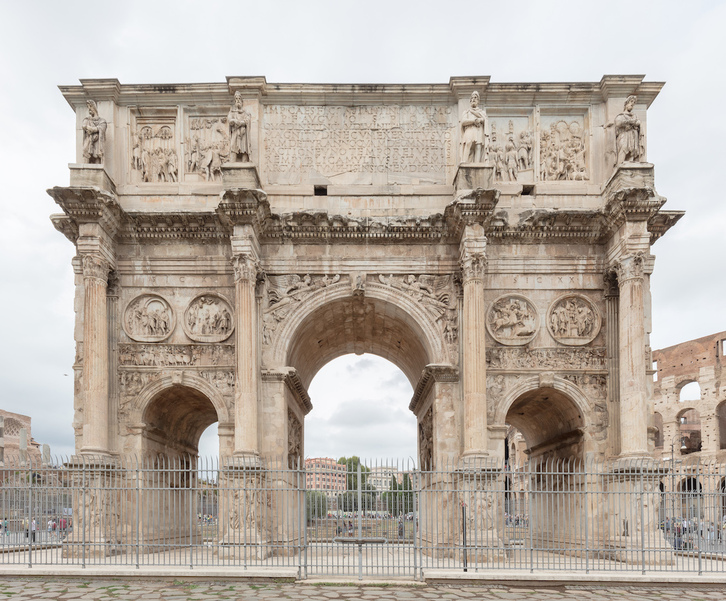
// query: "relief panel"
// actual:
[[148, 318], [574, 320], [563, 148], [206, 147], [511, 150], [512, 320], [208, 318], [153, 144]]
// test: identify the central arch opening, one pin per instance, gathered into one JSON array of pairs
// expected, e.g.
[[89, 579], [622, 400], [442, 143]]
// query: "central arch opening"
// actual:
[[360, 407]]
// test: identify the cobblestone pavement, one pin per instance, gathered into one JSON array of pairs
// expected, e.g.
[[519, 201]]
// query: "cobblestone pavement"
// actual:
[[21, 589]]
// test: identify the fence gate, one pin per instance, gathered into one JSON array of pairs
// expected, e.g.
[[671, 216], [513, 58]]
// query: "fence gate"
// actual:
[[361, 519]]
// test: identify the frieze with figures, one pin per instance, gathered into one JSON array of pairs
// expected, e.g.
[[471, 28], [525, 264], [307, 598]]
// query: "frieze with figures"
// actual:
[[207, 147], [511, 150], [573, 320], [547, 358], [208, 318], [512, 320], [175, 355], [148, 318]]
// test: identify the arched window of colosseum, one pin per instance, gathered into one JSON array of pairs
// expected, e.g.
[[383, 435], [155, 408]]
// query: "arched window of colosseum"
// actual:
[[691, 391], [721, 417], [690, 431], [690, 493], [658, 423]]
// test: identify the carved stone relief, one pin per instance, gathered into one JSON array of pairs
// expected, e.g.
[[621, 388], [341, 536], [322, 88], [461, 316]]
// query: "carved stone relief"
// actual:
[[283, 293], [132, 382], [222, 380], [239, 122], [562, 150], [437, 293], [512, 320], [148, 318], [547, 358], [175, 355], [426, 440], [573, 319], [153, 151], [208, 318], [207, 147], [511, 151], [294, 439]]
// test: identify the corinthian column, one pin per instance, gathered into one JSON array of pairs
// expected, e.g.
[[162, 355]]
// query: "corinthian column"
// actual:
[[246, 268], [632, 339], [473, 267], [95, 355]]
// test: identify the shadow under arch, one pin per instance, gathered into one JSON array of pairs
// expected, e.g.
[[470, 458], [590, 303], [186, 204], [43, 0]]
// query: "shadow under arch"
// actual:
[[335, 321], [173, 411], [553, 417]]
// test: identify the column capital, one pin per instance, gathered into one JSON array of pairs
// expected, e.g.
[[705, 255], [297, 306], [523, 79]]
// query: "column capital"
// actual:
[[630, 267], [246, 267], [96, 267], [473, 258]]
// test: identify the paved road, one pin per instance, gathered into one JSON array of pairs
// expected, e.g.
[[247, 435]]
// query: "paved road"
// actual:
[[22, 589]]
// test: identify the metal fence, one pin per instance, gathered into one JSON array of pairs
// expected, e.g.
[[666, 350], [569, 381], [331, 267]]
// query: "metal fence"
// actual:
[[365, 518]]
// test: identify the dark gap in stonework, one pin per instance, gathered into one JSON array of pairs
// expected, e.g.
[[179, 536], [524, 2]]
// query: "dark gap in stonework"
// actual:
[[320, 190]]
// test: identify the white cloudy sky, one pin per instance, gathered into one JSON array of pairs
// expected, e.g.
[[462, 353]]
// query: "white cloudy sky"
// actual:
[[45, 44]]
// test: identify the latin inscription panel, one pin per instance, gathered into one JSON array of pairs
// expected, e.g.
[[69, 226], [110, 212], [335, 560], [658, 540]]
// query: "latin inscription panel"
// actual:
[[378, 144]]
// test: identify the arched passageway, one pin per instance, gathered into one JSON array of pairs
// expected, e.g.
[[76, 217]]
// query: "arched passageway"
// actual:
[[550, 422], [175, 420]]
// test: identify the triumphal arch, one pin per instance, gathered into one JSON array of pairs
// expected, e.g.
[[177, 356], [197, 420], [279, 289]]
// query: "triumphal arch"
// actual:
[[493, 240]]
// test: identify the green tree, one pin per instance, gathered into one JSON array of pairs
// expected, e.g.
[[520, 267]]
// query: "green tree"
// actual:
[[316, 505], [348, 501], [399, 499]]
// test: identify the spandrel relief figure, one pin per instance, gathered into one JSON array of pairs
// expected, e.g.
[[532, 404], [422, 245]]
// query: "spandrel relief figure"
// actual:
[[512, 320], [628, 136], [148, 318], [239, 131], [473, 132], [94, 135], [208, 318]]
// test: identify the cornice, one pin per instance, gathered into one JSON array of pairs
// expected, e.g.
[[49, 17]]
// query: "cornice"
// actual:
[[290, 377], [149, 227], [363, 93], [90, 205], [432, 373], [661, 222], [65, 226]]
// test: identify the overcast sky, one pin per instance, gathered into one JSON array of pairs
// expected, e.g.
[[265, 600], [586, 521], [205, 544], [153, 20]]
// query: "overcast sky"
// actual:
[[46, 44]]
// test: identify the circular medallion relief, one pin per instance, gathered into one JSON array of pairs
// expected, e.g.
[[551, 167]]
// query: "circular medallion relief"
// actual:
[[573, 320], [148, 318], [208, 318], [512, 320]]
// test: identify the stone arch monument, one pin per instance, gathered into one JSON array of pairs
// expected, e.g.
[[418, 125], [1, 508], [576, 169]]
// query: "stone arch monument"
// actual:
[[493, 240]]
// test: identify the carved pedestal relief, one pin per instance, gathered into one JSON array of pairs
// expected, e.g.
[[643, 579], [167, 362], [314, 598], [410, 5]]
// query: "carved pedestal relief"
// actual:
[[208, 318], [563, 149], [148, 318], [512, 320], [294, 440], [573, 320]]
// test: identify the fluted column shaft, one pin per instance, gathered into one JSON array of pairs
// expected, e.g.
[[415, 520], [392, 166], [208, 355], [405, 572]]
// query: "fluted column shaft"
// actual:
[[95, 355], [246, 440], [632, 339], [473, 266]]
